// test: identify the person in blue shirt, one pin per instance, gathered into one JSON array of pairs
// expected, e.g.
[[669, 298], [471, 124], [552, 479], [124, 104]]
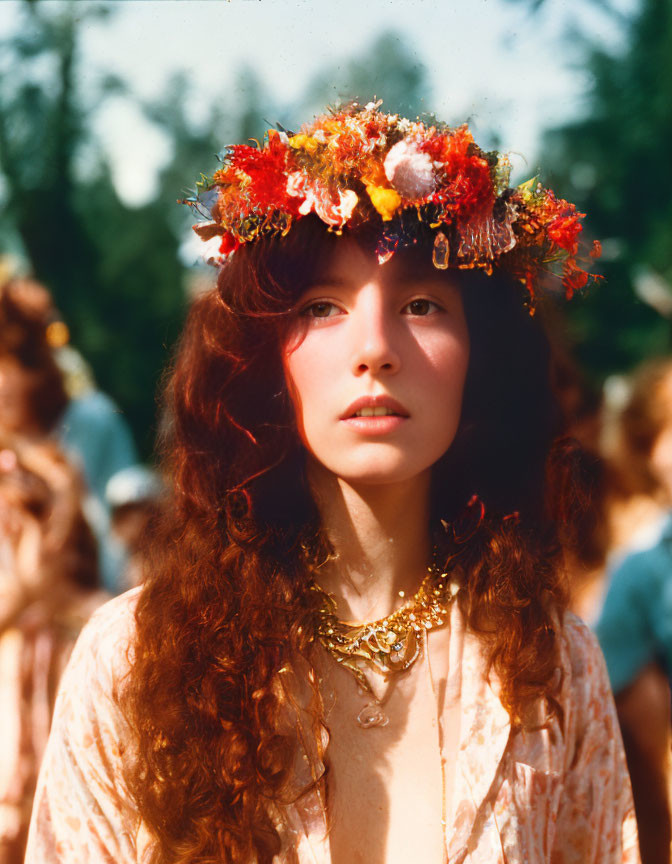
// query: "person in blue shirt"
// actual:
[[635, 626]]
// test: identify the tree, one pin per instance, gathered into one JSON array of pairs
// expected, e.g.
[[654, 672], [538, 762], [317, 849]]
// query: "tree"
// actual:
[[114, 271], [615, 163]]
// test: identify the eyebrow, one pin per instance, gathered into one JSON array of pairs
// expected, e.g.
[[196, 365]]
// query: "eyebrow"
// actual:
[[319, 281]]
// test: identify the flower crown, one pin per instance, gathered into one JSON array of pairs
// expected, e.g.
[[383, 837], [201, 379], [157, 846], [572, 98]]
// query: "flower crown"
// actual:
[[358, 164]]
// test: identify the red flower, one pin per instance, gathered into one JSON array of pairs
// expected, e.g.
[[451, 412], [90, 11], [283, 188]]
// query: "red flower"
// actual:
[[467, 187], [229, 244], [564, 232], [267, 169], [574, 278]]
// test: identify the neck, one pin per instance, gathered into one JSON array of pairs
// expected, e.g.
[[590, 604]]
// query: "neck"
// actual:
[[381, 540]]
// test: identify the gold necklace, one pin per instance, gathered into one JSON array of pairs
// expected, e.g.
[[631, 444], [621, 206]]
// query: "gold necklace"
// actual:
[[389, 645]]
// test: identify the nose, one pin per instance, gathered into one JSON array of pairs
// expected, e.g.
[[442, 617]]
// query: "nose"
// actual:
[[375, 343]]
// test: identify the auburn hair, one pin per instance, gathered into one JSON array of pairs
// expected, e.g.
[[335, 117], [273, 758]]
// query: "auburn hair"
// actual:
[[225, 605]]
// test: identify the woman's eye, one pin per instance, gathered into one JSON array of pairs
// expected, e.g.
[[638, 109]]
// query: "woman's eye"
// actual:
[[421, 306], [319, 309]]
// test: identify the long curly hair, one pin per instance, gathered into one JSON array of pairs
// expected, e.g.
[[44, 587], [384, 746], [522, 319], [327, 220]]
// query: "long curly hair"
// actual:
[[225, 610]]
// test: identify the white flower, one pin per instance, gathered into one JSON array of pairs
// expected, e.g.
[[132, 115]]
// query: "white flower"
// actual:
[[296, 184], [347, 202], [319, 199], [409, 170]]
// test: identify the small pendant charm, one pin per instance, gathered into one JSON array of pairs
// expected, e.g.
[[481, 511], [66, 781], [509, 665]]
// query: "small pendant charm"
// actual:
[[372, 715]]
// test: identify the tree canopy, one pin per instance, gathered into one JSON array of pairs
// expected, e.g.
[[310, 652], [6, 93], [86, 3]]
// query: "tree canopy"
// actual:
[[614, 162]]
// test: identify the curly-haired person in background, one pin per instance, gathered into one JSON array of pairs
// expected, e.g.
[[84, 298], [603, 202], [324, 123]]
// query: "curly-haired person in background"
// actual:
[[48, 578], [352, 642], [46, 391], [635, 626]]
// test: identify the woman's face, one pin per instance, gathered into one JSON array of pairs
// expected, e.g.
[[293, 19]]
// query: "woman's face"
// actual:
[[372, 332]]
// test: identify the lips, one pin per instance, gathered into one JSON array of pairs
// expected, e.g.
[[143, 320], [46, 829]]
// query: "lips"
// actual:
[[380, 401]]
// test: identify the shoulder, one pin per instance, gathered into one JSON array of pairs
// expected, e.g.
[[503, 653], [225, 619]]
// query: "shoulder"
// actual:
[[96, 413], [586, 696], [82, 808], [636, 573], [595, 821], [579, 646], [110, 625], [92, 405], [102, 654], [645, 562], [581, 659]]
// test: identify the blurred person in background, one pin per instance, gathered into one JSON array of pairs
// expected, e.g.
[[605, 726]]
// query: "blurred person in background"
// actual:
[[48, 579], [133, 496], [635, 626], [47, 390], [33, 397], [634, 416]]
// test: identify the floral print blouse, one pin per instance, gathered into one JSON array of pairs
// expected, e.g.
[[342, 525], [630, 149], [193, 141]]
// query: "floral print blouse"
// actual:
[[559, 794], [34, 650]]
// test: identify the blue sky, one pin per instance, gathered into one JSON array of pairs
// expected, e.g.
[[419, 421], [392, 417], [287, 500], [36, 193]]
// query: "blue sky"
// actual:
[[488, 60]]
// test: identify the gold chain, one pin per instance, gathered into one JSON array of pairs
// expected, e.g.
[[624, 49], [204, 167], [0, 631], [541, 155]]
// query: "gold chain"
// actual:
[[389, 645]]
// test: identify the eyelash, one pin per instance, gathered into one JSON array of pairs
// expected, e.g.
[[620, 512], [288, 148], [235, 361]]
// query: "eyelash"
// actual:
[[306, 309]]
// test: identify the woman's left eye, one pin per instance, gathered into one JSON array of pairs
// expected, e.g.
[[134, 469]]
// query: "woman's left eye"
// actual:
[[421, 306]]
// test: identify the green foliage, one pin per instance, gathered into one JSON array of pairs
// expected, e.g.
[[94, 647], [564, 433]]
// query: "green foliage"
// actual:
[[615, 163], [114, 270]]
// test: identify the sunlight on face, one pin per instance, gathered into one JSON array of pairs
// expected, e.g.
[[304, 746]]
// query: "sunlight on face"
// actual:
[[370, 330]]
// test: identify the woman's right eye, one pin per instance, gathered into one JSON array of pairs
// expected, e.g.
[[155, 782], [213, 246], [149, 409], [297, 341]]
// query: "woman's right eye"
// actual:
[[319, 309]]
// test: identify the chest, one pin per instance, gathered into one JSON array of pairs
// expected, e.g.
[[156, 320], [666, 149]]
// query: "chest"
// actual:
[[388, 786]]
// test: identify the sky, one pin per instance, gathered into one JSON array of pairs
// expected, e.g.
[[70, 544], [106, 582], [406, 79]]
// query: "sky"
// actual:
[[489, 61]]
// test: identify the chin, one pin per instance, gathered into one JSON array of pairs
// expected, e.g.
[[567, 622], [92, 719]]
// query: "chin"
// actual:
[[381, 474]]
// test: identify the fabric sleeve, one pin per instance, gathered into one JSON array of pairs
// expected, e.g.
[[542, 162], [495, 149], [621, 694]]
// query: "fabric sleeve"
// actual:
[[82, 812], [596, 818], [624, 629]]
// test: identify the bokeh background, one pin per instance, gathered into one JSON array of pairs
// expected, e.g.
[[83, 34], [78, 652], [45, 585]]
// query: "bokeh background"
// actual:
[[109, 111]]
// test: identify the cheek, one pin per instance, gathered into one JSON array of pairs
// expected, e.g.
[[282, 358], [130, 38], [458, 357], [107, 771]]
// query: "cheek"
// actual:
[[311, 363], [442, 395], [305, 370], [304, 382], [446, 363]]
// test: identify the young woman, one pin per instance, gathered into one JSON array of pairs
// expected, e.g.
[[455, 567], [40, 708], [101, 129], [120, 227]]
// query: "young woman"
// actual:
[[351, 644]]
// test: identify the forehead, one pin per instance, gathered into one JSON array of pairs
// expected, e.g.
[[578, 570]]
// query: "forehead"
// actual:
[[348, 263]]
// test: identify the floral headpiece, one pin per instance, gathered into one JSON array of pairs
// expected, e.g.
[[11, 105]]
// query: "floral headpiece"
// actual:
[[358, 164]]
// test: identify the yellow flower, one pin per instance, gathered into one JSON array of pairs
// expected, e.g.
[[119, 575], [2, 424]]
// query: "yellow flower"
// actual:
[[304, 142], [386, 201]]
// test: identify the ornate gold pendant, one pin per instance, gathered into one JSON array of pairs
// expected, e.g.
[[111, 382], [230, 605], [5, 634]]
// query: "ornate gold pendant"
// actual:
[[388, 646]]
